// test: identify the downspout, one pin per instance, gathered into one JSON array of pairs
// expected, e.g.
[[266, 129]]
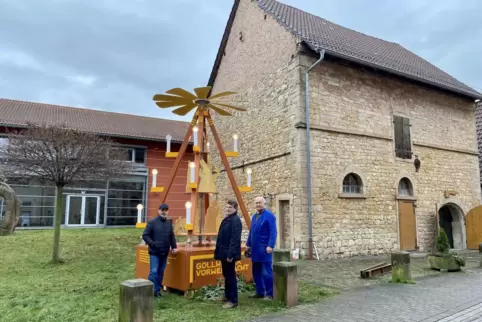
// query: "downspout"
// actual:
[[308, 154]]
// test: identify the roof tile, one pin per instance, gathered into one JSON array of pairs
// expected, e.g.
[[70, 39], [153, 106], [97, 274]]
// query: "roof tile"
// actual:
[[19, 113], [336, 40]]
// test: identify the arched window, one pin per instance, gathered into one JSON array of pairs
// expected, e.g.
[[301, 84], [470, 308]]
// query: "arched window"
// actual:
[[352, 183], [405, 187]]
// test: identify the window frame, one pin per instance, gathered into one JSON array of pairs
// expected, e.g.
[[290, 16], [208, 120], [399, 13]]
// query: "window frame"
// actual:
[[343, 193], [402, 126]]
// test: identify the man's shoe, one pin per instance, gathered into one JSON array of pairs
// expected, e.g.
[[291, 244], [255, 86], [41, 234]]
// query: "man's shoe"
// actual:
[[268, 298], [229, 305], [157, 294], [256, 296]]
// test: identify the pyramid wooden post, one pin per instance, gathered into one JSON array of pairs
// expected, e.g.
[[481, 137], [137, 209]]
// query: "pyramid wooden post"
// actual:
[[193, 267], [229, 172]]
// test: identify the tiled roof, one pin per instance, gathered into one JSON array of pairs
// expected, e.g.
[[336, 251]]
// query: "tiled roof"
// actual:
[[19, 113], [478, 117], [319, 33], [351, 45]]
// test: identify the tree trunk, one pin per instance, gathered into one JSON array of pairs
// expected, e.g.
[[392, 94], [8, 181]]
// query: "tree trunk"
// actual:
[[58, 221]]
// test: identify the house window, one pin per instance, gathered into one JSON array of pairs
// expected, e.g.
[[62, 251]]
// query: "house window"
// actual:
[[403, 140], [352, 184], [405, 188], [136, 155]]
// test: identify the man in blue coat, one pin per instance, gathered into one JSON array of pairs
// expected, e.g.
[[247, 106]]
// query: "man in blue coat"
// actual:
[[261, 241]]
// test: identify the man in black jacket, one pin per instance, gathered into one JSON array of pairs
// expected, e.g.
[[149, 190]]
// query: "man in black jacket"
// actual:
[[159, 236], [228, 251]]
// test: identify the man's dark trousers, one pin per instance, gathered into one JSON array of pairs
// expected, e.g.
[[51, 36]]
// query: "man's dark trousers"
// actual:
[[231, 284], [157, 266], [263, 278]]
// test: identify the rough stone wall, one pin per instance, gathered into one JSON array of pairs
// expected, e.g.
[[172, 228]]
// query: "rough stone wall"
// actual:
[[260, 67], [478, 115], [345, 99], [351, 113]]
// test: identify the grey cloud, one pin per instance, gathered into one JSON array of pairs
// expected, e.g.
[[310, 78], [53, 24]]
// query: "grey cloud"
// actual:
[[116, 54]]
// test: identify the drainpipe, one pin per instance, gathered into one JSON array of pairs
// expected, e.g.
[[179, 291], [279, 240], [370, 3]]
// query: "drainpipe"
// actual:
[[308, 154]]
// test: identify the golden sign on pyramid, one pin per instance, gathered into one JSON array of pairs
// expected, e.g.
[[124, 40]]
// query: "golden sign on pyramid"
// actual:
[[201, 219]]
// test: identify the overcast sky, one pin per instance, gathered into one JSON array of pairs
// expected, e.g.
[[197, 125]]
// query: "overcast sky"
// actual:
[[115, 55]]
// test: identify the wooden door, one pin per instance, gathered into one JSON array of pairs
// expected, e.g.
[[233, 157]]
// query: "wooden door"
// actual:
[[473, 226], [408, 227]]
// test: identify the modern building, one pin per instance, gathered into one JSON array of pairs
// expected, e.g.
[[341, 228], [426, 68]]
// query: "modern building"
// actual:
[[109, 203], [392, 151]]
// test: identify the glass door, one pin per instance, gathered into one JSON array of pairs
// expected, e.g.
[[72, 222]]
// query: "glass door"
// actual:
[[73, 211], [82, 210], [91, 210]]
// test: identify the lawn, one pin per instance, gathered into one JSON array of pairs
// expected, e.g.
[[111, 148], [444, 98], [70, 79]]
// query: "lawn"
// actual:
[[86, 286]]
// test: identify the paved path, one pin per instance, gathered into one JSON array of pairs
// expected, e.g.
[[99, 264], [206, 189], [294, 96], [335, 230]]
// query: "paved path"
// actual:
[[451, 297]]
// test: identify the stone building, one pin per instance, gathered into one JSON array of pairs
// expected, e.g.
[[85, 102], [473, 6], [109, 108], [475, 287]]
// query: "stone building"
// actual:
[[478, 114], [374, 108]]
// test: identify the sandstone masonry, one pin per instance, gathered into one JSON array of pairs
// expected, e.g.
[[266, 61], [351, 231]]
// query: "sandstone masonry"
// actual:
[[352, 131]]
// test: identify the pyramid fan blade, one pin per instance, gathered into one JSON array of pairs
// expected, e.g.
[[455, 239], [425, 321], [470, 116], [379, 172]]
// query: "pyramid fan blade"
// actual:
[[170, 98], [202, 92], [220, 111], [222, 94], [231, 106], [172, 104], [182, 92], [183, 110]]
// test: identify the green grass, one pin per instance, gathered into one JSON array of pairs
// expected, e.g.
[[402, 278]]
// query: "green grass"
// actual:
[[86, 286]]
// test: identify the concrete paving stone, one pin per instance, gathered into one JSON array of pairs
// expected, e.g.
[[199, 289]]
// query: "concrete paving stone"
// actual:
[[451, 297]]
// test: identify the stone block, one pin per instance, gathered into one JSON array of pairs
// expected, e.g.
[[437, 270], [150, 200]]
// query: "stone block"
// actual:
[[401, 267], [281, 255], [286, 283], [446, 262], [136, 301]]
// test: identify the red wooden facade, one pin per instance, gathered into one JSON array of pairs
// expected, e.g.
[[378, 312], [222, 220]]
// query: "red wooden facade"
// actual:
[[177, 196], [156, 159]]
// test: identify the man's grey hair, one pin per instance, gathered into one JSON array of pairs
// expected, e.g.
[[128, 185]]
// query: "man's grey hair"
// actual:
[[260, 198]]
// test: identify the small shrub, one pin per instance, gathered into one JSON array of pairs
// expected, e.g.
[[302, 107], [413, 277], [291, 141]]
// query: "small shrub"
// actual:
[[442, 242], [215, 293], [459, 260]]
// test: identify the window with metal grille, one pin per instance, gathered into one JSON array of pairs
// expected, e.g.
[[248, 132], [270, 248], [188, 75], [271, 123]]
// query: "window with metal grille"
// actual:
[[403, 140], [352, 184], [405, 187]]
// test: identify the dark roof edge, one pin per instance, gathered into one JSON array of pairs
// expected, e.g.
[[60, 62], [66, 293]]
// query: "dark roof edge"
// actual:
[[317, 49], [222, 46], [24, 126], [394, 72]]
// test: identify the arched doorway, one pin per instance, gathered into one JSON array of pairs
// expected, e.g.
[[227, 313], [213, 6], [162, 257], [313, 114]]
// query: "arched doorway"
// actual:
[[406, 215], [452, 220]]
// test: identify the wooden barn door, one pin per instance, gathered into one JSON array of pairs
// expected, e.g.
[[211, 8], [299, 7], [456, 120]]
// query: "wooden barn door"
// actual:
[[473, 226], [408, 227]]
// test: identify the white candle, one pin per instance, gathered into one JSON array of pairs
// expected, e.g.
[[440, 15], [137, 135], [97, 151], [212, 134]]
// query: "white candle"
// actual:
[[192, 172], [188, 212], [235, 143], [139, 212], [194, 134], [207, 147], [154, 177], [249, 171], [168, 139]]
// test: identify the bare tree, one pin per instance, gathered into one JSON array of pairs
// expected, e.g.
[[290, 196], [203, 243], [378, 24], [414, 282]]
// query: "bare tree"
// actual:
[[61, 156]]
